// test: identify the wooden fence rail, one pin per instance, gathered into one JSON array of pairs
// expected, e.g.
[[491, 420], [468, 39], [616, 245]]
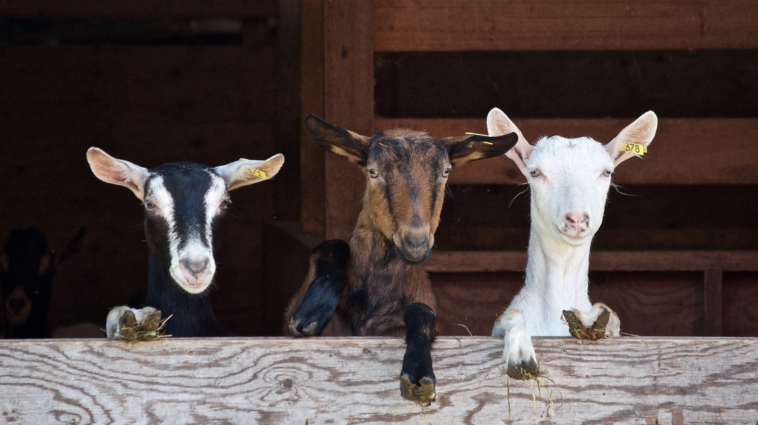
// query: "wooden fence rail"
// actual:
[[354, 380]]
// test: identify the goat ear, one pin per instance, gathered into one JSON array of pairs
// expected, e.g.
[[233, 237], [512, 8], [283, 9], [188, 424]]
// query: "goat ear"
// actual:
[[471, 148], [117, 171], [248, 171], [337, 140], [640, 132], [499, 123]]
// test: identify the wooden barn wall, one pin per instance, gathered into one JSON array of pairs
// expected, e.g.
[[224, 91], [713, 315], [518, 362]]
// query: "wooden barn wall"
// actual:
[[149, 102]]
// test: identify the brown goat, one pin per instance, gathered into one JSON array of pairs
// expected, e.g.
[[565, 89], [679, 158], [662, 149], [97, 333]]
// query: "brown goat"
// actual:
[[384, 292]]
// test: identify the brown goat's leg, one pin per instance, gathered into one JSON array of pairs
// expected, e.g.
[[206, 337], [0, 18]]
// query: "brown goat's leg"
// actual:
[[417, 380], [318, 302]]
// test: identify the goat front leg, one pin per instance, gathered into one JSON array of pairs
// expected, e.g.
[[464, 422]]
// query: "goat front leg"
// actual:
[[601, 322], [316, 306], [417, 380], [518, 352]]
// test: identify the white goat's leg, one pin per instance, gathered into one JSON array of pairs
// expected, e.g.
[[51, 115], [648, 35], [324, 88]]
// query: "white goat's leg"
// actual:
[[612, 329], [114, 316], [518, 352]]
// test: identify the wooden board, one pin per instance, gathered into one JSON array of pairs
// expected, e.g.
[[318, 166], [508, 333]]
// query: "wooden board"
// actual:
[[499, 261], [460, 25], [684, 151], [349, 380], [312, 172], [348, 103], [136, 8], [568, 84]]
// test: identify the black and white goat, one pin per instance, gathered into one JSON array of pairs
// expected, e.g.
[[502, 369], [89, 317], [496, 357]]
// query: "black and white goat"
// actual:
[[183, 203]]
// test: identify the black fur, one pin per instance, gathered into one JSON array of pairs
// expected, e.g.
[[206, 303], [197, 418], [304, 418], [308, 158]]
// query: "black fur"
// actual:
[[420, 322], [325, 292], [192, 315], [24, 250]]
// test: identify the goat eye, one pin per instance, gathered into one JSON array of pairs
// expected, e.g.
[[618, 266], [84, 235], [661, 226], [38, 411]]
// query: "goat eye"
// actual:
[[373, 173], [446, 172], [608, 172], [226, 203], [534, 172], [149, 205]]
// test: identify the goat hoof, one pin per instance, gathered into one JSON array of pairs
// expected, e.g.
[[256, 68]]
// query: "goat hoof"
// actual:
[[578, 329], [298, 330], [524, 370], [423, 393]]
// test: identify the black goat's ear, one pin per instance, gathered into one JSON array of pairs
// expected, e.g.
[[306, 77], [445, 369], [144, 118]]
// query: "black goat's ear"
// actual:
[[337, 140], [473, 147], [248, 171], [117, 171]]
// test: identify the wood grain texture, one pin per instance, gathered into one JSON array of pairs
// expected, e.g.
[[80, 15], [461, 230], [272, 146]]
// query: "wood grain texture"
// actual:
[[350, 380], [461, 25], [684, 151], [500, 261], [137, 8], [348, 103]]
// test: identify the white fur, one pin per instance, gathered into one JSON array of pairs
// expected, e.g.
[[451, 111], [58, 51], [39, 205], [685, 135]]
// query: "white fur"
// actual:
[[194, 249], [568, 178]]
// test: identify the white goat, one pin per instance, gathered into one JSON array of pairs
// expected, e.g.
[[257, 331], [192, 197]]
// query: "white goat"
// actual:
[[569, 181]]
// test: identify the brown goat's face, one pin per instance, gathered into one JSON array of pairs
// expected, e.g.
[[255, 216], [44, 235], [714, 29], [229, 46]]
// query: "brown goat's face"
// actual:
[[407, 171]]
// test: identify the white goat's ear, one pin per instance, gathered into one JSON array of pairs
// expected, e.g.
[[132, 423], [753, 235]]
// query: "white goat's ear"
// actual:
[[640, 132], [498, 124], [117, 171], [248, 171]]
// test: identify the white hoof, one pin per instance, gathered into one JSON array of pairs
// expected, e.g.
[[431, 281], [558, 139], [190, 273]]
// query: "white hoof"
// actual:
[[112, 321], [518, 352]]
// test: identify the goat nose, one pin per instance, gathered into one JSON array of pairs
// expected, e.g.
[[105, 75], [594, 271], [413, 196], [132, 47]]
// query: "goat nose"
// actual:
[[415, 240], [577, 219], [195, 266]]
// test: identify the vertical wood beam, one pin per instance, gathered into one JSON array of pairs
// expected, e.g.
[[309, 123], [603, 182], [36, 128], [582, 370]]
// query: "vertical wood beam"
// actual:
[[312, 201], [713, 301], [348, 103]]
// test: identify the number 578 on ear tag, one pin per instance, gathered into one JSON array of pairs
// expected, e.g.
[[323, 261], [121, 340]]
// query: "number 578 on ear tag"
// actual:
[[634, 148]]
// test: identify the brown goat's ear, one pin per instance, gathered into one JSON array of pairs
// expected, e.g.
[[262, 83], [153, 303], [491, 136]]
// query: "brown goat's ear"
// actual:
[[337, 140], [470, 148]]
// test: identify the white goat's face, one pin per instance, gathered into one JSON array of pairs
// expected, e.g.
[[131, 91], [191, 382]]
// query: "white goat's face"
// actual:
[[570, 178], [183, 202]]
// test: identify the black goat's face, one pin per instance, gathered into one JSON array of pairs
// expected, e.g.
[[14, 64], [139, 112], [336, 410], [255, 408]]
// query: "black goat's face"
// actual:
[[27, 269], [183, 203]]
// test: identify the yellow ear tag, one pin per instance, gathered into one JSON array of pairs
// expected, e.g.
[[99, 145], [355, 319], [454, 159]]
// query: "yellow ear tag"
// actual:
[[256, 173], [634, 148]]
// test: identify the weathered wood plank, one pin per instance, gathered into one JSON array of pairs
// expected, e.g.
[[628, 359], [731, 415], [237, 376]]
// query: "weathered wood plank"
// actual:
[[462, 25], [350, 380], [685, 151], [312, 203], [713, 300], [348, 103], [499, 261], [137, 8]]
